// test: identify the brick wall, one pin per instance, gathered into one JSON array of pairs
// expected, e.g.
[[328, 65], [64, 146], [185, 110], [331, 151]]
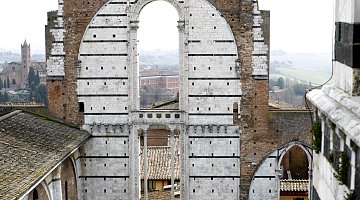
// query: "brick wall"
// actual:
[[41, 193], [68, 180]]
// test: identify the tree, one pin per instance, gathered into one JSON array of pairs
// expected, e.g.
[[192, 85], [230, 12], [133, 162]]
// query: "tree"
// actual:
[[281, 83], [5, 84], [40, 94], [1, 84], [31, 79], [37, 78]]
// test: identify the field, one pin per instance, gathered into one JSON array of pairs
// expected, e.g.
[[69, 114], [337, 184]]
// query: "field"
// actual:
[[305, 75]]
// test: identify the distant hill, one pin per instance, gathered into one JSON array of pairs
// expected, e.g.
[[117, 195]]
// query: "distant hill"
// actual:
[[319, 62], [8, 56], [303, 67], [159, 59]]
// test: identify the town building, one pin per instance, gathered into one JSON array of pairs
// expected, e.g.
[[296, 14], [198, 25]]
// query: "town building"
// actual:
[[336, 119], [164, 79], [16, 73]]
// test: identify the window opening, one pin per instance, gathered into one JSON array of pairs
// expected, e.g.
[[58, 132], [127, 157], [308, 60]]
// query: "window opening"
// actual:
[[158, 44]]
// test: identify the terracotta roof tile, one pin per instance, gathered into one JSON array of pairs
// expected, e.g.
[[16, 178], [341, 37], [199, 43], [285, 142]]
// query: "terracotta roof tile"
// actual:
[[159, 160], [287, 185]]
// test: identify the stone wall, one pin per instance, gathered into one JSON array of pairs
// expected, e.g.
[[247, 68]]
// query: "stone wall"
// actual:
[[226, 64]]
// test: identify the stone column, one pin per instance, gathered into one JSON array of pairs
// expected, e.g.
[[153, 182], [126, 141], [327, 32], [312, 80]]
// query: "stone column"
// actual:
[[183, 72], [133, 66], [172, 165], [134, 150], [55, 184], [145, 151]]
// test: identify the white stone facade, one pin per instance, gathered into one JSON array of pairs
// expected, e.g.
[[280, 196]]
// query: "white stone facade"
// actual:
[[55, 63], [266, 180], [260, 52], [108, 87]]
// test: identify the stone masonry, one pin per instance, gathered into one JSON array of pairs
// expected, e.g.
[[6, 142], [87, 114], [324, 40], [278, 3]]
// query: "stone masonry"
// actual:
[[224, 59]]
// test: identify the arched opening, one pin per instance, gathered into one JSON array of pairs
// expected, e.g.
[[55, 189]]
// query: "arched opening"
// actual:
[[39, 193], [68, 180], [160, 162], [158, 49], [294, 173], [35, 195], [294, 164]]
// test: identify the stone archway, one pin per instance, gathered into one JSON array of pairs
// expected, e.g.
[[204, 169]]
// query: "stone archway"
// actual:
[[266, 179], [68, 180], [39, 193]]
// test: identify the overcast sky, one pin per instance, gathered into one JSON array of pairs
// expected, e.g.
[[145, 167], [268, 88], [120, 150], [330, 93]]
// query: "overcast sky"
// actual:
[[296, 25]]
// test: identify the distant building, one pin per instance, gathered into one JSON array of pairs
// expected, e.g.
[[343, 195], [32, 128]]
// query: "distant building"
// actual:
[[17, 72], [336, 132], [163, 79]]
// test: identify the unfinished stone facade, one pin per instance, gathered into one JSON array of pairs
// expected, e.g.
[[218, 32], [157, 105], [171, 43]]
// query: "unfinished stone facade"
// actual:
[[222, 121]]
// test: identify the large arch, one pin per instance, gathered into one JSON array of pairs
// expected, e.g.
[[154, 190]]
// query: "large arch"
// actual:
[[209, 85], [265, 183]]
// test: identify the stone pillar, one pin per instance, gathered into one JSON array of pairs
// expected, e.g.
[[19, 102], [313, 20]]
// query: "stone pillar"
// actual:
[[134, 150], [55, 184], [145, 151], [133, 67], [184, 169], [172, 164], [183, 78]]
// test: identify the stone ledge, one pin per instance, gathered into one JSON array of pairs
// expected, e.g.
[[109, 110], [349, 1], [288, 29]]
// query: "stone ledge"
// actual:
[[340, 108]]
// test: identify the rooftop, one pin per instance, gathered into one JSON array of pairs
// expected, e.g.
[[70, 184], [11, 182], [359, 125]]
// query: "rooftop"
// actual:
[[30, 147], [159, 160], [294, 185]]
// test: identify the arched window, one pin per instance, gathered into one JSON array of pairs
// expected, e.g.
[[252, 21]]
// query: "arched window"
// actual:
[[35, 195], [158, 50]]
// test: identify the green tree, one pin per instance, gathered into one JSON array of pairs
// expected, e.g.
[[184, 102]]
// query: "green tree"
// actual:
[[31, 79], [40, 94], [4, 97], [281, 83], [5, 84], [37, 78]]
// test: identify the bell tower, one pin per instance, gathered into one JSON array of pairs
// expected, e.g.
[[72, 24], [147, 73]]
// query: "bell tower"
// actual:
[[25, 63]]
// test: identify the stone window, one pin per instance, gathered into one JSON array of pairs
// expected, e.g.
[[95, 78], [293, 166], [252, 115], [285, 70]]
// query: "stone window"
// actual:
[[336, 150], [81, 107], [326, 151]]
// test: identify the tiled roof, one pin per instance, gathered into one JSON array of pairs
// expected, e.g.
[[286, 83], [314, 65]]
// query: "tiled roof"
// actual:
[[159, 195], [30, 146], [294, 185], [159, 160]]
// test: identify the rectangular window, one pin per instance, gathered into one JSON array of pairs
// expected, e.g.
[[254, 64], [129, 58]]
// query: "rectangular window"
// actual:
[[326, 141], [336, 150], [81, 107], [66, 191]]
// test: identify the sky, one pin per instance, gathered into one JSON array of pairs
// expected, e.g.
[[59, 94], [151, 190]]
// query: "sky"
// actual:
[[297, 26]]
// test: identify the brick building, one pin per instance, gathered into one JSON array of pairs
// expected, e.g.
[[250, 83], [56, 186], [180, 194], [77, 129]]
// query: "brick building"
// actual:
[[164, 79]]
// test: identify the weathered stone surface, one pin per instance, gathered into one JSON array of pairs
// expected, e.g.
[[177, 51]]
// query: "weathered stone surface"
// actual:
[[30, 147]]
